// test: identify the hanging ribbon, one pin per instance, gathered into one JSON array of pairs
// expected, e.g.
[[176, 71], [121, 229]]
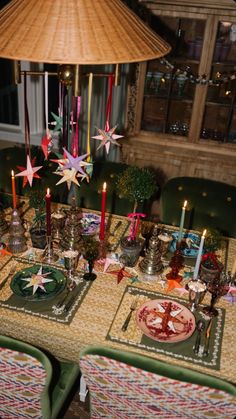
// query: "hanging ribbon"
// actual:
[[27, 124], [109, 102], [135, 220], [90, 88], [75, 133], [46, 142]]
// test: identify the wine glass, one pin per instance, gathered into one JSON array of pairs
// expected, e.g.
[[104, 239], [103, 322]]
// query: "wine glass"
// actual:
[[217, 288], [91, 253], [71, 259]]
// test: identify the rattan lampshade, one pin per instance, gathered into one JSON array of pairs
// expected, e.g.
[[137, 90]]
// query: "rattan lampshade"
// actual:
[[76, 32]]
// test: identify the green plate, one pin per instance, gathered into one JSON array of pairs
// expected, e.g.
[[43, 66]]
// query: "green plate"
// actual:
[[21, 280]]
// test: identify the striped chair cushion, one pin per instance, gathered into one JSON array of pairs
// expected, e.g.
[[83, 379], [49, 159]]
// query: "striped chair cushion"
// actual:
[[22, 379], [118, 390]]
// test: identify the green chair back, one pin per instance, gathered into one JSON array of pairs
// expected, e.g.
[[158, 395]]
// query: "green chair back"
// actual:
[[125, 384]]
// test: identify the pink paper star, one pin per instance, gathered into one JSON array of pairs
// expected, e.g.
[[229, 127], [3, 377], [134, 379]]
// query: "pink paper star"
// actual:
[[29, 172], [75, 162], [107, 138]]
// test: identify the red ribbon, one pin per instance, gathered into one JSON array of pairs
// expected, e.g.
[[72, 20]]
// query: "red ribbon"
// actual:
[[109, 102], [213, 258], [134, 224]]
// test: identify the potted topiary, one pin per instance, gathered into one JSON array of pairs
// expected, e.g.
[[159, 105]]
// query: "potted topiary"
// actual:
[[137, 184], [211, 266], [37, 229]]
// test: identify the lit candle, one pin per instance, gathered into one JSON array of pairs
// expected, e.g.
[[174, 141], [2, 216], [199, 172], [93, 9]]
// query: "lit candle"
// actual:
[[199, 256], [48, 212], [182, 221], [103, 212], [13, 187]]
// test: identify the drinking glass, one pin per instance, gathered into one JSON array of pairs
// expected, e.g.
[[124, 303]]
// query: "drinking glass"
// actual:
[[197, 290], [71, 258], [217, 288]]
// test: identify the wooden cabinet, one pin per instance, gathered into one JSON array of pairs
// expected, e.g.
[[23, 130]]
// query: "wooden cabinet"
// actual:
[[187, 101]]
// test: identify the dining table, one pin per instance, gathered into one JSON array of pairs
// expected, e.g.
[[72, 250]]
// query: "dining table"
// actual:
[[99, 308]]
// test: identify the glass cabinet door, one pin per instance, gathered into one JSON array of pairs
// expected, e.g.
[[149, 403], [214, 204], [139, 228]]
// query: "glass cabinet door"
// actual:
[[219, 122], [169, 90]]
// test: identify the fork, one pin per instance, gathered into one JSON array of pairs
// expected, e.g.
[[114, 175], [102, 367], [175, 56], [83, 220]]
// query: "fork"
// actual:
[[11, 272], [128, 318]]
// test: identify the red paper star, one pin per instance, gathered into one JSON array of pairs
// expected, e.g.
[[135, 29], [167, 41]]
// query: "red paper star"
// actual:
[[29, 172], [46, 144], [172, 284], [5, 252], [121, 273]]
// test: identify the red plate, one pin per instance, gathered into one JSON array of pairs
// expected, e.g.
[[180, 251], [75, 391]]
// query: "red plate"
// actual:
[[165, 321]]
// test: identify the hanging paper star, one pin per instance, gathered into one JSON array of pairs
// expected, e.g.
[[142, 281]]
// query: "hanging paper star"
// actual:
[[172, 284], [107, 138], [29, 172], [46, 144], [121, 273], [37, 280], [75, 162], [58, 122], [68, 176]]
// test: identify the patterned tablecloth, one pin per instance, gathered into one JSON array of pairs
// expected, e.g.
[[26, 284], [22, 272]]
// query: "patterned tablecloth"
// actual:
[[94, 317]]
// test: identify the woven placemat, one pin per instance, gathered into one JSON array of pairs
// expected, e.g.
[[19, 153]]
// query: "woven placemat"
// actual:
[[179, 350], [42, 308]]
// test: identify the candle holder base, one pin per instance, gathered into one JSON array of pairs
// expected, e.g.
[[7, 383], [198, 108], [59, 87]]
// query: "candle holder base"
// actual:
[[48, 255]]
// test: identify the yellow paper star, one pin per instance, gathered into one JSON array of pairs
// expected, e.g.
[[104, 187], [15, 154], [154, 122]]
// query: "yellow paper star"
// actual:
[[68, 176]]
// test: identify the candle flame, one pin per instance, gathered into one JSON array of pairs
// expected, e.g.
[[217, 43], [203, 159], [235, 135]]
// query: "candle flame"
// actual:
[[185, 204], [48, 191], [12, 173], [104, 187], [204, 233]]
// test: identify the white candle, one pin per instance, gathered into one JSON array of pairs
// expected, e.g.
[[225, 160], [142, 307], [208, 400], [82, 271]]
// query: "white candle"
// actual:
[[199, 256], [182, 221], [233, 270]]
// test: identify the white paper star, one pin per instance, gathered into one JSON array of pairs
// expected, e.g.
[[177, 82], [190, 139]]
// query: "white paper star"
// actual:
[[37, 280], [107, 138], [30, 171], [68, 176]]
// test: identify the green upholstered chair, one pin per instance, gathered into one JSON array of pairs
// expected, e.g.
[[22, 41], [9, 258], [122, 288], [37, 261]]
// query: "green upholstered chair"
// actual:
[[211, 204], [124, 384], [31, 384]]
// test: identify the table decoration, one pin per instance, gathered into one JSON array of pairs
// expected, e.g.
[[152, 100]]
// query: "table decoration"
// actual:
[[182, 221], [43, 307], [90, 223], [103, 212], [199, 256], [17, 238], [165, 320], [151, 263], [38, 282], [197, 290], [176, 263], [182, 350], [189, 244], [121, 273]]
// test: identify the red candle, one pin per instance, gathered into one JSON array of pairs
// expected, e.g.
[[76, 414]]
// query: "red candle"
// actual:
[[13, 187], [48, 212], [103, 212]]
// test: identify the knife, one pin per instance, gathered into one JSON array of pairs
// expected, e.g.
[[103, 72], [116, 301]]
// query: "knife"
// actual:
[[207, 338]]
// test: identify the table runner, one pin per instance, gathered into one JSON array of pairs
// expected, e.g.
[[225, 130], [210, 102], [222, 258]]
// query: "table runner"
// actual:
[[179, 350], [42, 308]]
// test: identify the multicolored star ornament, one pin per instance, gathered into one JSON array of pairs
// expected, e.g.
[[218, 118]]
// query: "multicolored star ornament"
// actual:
[[68, 176], [38, 280], [75, 162], [29, 172], [107, 138]]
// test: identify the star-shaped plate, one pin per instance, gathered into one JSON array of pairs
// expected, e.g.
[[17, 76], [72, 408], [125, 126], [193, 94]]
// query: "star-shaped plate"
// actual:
[[23, 282]]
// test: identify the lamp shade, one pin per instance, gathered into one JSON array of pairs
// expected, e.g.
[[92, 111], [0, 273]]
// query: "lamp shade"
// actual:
[[76, 32]]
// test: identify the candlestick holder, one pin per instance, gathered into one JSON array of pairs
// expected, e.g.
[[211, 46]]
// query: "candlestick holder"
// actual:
[[48, 255], [176, 264]]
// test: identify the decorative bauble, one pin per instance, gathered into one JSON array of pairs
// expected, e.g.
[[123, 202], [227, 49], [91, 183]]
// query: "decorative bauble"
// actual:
[[66, 74]]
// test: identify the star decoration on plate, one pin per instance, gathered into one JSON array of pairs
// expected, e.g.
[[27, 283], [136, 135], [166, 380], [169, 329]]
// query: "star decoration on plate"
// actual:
[[38, 280], [165, 317], [29, 172], [107, 138], [68, 176]]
